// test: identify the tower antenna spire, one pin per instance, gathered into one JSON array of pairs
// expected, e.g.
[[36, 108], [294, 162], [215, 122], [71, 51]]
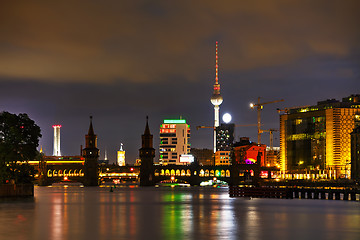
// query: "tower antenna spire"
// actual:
[[216, 65]]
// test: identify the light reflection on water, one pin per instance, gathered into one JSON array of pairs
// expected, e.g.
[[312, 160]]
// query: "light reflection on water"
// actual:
[[172, 213]]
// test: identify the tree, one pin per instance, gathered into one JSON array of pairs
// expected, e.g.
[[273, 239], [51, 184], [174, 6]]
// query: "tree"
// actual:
[[19, 138]]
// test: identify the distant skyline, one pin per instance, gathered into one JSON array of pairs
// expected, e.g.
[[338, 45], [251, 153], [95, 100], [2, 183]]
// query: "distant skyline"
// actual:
[[120, 61]]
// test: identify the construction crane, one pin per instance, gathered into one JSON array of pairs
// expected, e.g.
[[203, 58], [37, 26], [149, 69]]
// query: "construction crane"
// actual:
[[271, 132], [259, 106], [284, 110], [236, 125]]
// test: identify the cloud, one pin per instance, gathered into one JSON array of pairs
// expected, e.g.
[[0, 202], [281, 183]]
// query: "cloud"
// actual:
[[148, 41]]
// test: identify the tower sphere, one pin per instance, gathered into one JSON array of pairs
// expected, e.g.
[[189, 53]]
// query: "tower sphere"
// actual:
[[216, 99]]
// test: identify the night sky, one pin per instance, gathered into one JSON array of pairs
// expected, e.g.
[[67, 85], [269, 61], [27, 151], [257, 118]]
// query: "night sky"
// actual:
[[119, 61]]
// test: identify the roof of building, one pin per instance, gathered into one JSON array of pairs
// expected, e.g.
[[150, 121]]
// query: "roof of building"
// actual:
[[352, 101]]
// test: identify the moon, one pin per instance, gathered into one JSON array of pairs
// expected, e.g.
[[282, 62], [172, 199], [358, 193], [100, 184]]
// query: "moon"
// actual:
[[226, 118]]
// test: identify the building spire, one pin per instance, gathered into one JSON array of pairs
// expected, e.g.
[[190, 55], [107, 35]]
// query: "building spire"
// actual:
[[91, 130], [147, 138], [147, 129]]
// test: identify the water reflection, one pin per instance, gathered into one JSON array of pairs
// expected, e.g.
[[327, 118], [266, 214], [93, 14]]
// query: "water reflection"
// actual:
[[173, 213]]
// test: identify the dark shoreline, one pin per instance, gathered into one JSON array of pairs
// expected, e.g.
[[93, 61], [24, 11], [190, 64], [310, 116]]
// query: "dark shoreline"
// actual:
[[16, 190]]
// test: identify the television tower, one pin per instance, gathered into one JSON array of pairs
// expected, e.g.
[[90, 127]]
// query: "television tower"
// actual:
[[56, 151], [216, 98]]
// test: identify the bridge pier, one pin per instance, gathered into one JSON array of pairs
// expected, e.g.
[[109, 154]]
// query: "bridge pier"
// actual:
[[353, 196], [337, 195]]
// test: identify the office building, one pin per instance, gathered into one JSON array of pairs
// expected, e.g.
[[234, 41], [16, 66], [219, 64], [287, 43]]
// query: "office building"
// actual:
[[318, 137], [272, 157], [355, 154], [225, 137], [222, 158], [174, 142]]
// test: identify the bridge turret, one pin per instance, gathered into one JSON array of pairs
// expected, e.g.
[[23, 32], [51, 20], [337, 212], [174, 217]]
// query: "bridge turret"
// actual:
[[91, 155], [147, 154]]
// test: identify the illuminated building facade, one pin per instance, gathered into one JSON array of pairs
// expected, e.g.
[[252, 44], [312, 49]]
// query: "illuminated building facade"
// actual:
[[222, 158], [121, 156], [56, 150], [247, 152], [318, 137], [174, 141], [272, 157], [216, 98], [355, 154], [225, 137]]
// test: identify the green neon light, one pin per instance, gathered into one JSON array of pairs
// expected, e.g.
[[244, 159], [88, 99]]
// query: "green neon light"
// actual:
[[174, 121]]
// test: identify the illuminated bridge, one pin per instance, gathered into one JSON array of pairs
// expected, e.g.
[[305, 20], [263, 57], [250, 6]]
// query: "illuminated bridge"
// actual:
[[57, 168], [195, 174]]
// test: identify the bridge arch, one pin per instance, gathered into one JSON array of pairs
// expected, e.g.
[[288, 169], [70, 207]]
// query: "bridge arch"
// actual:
[[222, 173], [167, 172], [188, 173], [206, 172], [81, 174], [162, 172], [201, 173], [177, 173], [212, 173], [156, 173], [76, 173], [183, 172], [227, 173], [49, 173], [172, 172], [217, 173]]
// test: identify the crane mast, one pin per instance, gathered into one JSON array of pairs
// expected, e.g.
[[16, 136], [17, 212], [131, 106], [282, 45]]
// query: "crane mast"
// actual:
[[259, 106]]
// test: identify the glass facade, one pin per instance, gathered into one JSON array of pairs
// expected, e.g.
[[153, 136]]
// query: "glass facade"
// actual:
[[306, 142], [318, 137]]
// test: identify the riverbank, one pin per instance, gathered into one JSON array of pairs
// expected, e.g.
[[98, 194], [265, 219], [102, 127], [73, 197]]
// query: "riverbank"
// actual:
[[16, 190]]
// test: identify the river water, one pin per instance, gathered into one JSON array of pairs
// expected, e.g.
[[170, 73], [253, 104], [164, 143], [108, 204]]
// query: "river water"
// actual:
[[172, 213]]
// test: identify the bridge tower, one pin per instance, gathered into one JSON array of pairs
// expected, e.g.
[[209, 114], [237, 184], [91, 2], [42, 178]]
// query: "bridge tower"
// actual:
[[91, 155], [147, 154]]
